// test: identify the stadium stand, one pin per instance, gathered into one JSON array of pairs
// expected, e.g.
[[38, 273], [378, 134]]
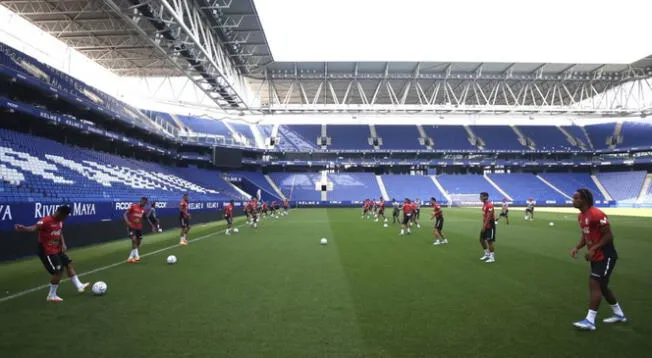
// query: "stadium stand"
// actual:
[[547, 138], [623, 186], [498, 137], [472, 184], [37, 169], [298, 141], [298, 186], [522, 186], [254, 181], [399, 137], [568, 183], [400, 187], [449, 137], [349, 137], [599, 134], [636, 134], [353, 186]]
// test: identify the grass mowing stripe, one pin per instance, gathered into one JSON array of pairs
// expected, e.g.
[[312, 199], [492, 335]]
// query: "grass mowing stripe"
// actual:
[[104, 268]]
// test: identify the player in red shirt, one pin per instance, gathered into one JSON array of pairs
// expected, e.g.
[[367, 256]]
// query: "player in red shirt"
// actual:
[[365, 208], [488, 231], [184, 220], [381, 209], [52, 250], [437, 230], [286, 205], [228, 216], [596, 235], [408, 211], [134, 219]]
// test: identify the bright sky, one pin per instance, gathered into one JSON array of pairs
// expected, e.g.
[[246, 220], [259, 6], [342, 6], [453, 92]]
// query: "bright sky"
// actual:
[[561, 31]]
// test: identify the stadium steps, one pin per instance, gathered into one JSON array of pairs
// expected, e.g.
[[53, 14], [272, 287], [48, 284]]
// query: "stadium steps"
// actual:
[[260, 141], [178, 122], [604, 191], [381, 186], [441, 188], [642, 195], [275, 187], [474, 139], [239, 190], [587, 136], [554, 187], [500, 190], [569, 138]]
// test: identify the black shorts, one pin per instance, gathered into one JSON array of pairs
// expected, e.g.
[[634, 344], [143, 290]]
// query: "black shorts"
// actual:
[[153, 221], [396, 212], [138, 234], [54, 264], [417, 212], [184, 222], [601, 270], [505, 214], [229, 219], [381, 212], [528, 210], [488, 234], [439, 223], [406, 218]]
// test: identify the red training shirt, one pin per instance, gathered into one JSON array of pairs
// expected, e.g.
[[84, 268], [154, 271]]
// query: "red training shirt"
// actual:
[[591, 221], [135, 216], [49, 237]]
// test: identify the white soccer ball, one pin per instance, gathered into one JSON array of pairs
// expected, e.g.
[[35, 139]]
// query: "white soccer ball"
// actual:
[[324, 241], [172, 259], [99, 288], [160, 230], [551, 224], [235, 229], [385, 225]]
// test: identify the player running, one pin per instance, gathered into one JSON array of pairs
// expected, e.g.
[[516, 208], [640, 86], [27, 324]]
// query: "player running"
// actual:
[[286, 206], [596, 235], [381, 210], [438, 215], [529, 210], [134, 219], [417, 212], [504, 212], [488, 232], [408, 212], [365, 208], [52, 250], [153, 219], [253, 211], [228, 216], [184, 220]]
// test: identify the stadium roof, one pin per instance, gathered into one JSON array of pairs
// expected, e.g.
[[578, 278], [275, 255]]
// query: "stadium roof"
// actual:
[[220, 45], [98, 30]]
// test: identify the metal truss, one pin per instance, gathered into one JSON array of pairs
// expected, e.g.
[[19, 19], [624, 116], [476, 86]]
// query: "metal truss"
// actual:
[[596, 92], [179, 30], [92, 28]]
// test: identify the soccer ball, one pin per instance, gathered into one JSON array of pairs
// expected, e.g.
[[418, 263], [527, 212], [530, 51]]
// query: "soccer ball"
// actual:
[[551, 224], [160, 230], [99, 288], [172, 259], [235, 229], [385, 225], [324, 241]]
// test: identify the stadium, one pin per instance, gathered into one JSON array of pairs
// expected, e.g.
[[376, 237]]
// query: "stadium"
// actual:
[[241, 140]]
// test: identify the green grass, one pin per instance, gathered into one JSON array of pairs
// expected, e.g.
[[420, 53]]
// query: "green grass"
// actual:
[[275, 292]]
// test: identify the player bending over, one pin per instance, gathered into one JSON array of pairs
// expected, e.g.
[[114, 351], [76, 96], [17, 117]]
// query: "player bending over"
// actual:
[[184, 220], [504, 212], [134, 219], [488, 231], [596, 235], [228, 216], [438, 215], [408, 212], [51, 250]]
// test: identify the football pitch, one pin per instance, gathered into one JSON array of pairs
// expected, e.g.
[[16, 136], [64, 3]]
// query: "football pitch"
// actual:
[[276, 292]]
